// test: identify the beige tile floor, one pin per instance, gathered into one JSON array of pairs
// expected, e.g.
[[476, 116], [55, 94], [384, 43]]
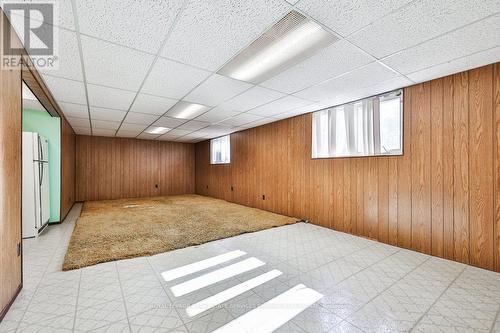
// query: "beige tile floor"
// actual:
[[366, 287]]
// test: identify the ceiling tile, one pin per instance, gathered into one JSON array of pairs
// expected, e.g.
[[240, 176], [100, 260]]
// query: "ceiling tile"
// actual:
[[363, 92], [193, 125], [347, 16], [69, 64], [74, 110], [418, 22], [127, 134], [65, 90], [107, 114], [103, 124], [251, 98], [279, 106], [169, 122], [79, 122], [216, 114], [133, 127], [339, 58], [168, 137], [209, 33], [141, 24], [257, 123], [216, 130], [178, 132], [147, 136], [109, 97], [103, 132], [140, 118], [82, 130], [241, 119], [217, 89], [64, 12], [471, 39], [152, 104], [114, 66], [458, 65], [363, 77], [172, 79], [299, 111]]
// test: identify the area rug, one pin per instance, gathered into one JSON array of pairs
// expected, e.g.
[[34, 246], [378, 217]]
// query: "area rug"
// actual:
[[119, 229]]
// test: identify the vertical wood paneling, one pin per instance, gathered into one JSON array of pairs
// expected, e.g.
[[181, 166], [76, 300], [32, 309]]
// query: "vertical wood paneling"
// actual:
[[448, 168], [496, 165], [10, 179], [441, 197], [404, 176], [461, 167], [112, 168], [393, 201], [436, 168], [421, 178], [383, 199], [68, 168], [481, 166]]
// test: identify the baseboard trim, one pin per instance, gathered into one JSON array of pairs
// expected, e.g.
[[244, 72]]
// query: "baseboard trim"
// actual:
[[7, 307]]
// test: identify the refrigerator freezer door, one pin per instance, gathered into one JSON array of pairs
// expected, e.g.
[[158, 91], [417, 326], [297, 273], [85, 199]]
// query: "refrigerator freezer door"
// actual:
[[44, 148], [44, 193]]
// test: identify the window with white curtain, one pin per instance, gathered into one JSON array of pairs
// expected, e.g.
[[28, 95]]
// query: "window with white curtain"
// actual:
[[220, 150], [369, 127]]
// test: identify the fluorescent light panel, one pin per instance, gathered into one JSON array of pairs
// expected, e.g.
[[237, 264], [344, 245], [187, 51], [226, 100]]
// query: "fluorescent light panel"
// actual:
[[275, 313], [186, 110], [231, 293], [200, 265], [216, 276], [157, 130], [290, 41]]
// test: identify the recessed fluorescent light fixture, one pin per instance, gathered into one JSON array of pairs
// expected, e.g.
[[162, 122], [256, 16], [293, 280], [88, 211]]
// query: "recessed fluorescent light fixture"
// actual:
[[186, 110], [157, 130], [291, 40]]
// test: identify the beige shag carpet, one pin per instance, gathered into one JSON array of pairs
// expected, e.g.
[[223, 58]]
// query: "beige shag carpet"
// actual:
[[118, 229]]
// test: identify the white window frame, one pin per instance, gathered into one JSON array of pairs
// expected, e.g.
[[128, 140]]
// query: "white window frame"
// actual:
[[223, 159], [369, 111]]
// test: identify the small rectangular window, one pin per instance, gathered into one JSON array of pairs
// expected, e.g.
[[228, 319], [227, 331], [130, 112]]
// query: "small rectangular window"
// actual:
[[220, 150], [369, 127]]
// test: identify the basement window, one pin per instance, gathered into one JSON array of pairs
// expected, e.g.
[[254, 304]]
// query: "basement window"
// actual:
[[369, 127], [220, 150]]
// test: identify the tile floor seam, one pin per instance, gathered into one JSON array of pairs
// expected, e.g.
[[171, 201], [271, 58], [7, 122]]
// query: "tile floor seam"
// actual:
[[166, 293], [367, 267], [380, 293], [437, 299], [36, 288], [77, 297], [123, 295], [495, 320]]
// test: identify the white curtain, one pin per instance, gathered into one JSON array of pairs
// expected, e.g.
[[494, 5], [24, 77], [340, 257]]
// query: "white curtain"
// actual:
[[220, 150], [354, 129]]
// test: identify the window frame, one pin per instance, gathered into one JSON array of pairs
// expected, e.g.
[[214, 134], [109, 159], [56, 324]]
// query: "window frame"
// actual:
[[211, 150], [395, 93]]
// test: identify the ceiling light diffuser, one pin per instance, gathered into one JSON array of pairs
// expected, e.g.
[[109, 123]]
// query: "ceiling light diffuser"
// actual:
[[186, 110], [157, 130], [290, 41]]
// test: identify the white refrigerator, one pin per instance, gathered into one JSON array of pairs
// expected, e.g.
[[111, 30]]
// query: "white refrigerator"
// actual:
[[36, 200]]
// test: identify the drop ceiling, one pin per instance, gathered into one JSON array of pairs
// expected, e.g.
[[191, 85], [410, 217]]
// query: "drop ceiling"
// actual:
[[124, 64]]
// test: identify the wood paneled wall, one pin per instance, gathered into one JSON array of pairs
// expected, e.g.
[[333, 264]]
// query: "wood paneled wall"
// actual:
[[112, 168], [10, 181], [68, 168], [442, 197]]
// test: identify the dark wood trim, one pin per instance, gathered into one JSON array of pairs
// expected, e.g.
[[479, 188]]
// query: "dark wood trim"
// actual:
[[7, 307]]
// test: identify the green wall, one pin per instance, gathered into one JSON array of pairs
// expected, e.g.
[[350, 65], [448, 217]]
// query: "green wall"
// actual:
[[42, 122]]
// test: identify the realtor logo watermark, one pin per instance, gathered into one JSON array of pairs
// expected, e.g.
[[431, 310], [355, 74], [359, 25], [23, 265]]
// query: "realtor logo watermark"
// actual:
[[34, 24]]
